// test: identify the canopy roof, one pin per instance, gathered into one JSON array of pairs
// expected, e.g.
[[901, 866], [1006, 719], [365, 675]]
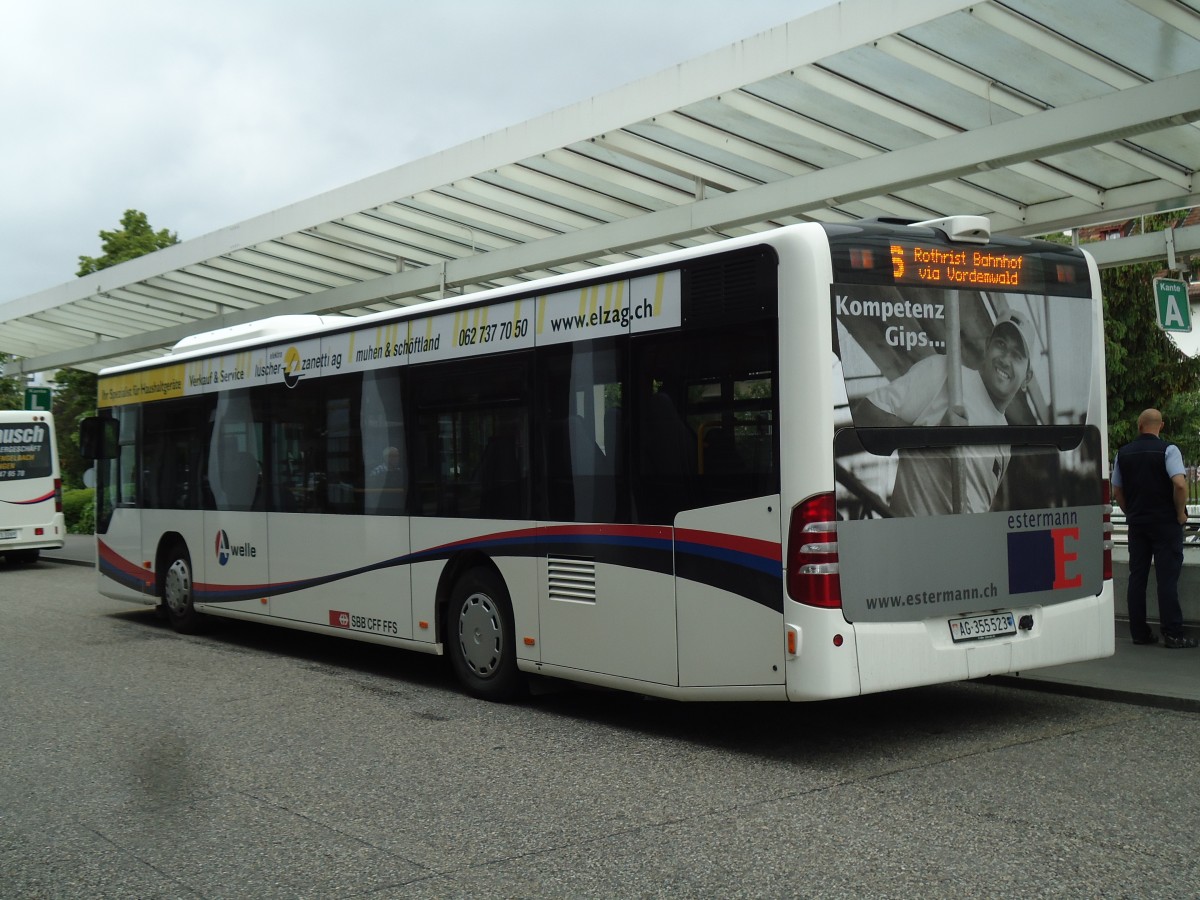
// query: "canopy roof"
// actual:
[[1041, 114]]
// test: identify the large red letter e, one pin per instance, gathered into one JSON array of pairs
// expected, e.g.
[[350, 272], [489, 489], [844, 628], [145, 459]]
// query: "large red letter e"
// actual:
[[1062, 557]]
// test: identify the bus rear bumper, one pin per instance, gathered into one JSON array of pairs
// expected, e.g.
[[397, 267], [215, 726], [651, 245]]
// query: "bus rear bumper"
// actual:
[[897, 655], [47, 536], [839, 659]]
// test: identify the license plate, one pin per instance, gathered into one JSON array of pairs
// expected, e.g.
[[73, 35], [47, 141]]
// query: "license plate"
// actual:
[[9, 535], [977, 628]]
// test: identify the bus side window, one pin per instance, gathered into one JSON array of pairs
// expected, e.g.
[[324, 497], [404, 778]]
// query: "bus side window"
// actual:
[[121, 427], [126, 482], [343, 461], [171, 463], [315, 447], [707, 407], [472, 440], [384, 444], [580, 435], [235, 448], [731, 409], [503, 472], [666, 458]]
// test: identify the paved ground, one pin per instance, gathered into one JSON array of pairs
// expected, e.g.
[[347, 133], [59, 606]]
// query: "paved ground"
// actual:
[[256, 762]]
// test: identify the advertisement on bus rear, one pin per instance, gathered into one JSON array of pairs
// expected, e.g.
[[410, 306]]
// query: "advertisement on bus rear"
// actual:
[[24, 451], [968, 477]]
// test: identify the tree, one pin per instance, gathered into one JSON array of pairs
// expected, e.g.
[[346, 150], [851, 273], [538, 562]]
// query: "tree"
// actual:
[[75, 397], [134, 238], [74, 400], [1144, 368], [11, 393]]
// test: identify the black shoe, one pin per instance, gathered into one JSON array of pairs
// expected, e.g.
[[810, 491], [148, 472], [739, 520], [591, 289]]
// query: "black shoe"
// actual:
[[1178, 643], [1148, 638]]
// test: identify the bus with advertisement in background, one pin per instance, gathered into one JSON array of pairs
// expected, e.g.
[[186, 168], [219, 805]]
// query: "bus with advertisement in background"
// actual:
[[815, 462], [31, 502]]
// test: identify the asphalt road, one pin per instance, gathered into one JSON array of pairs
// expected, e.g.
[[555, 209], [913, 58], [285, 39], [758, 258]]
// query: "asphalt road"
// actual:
[[254, 762]]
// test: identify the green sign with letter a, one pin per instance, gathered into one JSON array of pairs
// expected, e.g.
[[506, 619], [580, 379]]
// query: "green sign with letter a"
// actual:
[[1171, 301]]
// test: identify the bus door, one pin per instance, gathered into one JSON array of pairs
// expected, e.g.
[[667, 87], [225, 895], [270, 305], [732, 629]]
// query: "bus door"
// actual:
[[606, 593], [119, 551], [232, 567], [171, 499], [337, 491]]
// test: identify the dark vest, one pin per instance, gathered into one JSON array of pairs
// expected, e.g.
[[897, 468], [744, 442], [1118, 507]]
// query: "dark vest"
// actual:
[[1149, 494]]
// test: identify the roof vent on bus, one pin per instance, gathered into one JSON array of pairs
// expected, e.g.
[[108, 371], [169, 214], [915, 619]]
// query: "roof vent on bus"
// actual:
[[274, 327], [968, 229]]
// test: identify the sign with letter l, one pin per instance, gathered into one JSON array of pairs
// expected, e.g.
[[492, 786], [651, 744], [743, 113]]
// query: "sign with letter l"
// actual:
[[38, 399]]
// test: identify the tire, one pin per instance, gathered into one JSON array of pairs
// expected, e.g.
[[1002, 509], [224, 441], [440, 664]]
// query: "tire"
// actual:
[[177, 592], [480, 639]]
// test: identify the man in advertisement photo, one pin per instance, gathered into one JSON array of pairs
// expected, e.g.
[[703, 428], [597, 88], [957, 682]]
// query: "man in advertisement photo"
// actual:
[[928, 394]]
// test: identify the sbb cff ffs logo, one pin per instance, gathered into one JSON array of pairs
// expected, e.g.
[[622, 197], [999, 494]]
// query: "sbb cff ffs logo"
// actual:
[[225, 549], [339, 619]]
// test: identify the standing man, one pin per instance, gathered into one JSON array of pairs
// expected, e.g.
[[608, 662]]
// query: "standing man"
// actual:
[[1150, 486]]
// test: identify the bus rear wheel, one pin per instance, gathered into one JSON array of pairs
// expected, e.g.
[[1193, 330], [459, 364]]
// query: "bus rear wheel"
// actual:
[[480, 636], [177, 592]]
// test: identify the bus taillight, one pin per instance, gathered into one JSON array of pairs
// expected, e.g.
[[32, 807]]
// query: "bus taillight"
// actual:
[[812, 557], [58, 495], [1106, 505]]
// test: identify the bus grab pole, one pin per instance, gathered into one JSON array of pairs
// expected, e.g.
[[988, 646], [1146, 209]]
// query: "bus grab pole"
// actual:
[[954, 388]]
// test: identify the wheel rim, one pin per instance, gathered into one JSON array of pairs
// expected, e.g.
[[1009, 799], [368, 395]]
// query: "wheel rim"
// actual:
[[480, 634], [178, 588]]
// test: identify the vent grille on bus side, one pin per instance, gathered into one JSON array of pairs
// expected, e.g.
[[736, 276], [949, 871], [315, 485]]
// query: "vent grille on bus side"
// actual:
[[571, 578], [732, 287]]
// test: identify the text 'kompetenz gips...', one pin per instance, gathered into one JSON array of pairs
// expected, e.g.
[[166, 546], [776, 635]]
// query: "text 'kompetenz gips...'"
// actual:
[[888, 309]]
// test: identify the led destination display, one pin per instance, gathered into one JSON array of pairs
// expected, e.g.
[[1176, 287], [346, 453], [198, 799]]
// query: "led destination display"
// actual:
[[992, 267], [949, 267]]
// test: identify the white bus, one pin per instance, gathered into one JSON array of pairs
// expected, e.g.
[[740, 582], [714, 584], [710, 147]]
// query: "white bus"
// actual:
[[31, 510], [719, 473]]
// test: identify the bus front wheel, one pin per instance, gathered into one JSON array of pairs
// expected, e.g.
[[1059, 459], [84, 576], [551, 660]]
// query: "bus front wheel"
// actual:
[[480, 636], [177, 592]]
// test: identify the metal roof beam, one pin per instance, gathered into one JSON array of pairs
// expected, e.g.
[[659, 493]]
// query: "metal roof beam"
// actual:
[[932, 127], [1062, 215], [1177, 16], [1038, 36], [1141, 248], [1003, 96]]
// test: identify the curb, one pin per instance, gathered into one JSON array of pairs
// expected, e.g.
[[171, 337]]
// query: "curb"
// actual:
[[1157, 701], [65, 561]]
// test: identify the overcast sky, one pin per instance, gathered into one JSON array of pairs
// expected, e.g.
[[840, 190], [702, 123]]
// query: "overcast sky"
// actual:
[[206, 113]]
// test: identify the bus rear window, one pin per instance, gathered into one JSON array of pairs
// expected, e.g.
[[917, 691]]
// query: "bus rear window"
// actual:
[[920, 357], [942, 387]]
